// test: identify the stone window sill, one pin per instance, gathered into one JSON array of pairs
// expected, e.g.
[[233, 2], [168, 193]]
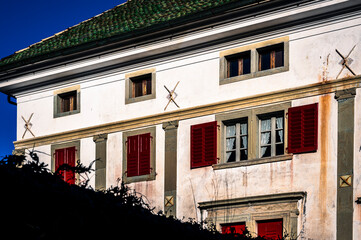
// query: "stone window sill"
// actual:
[[253, 162]]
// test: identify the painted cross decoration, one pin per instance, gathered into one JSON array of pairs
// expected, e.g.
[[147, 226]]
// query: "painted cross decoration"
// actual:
[[169, 202], [28, 125], [345, 181], [346, 61], [171, 96]]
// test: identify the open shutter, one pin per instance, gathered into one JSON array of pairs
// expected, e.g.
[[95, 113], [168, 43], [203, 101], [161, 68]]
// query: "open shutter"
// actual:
[[144, 154], [203, 144], [303, 128], [59, 160], [132, 156], [69, 176], [270, 229]]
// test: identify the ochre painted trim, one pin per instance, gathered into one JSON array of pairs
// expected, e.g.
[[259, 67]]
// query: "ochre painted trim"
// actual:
[[198, 111]]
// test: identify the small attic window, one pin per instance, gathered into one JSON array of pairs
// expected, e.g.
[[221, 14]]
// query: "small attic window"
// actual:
[[141, 85], [239, 64], [66, 101]]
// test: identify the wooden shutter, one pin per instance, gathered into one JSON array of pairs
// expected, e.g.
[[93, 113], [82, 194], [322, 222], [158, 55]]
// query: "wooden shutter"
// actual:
[[303, 128], [203, 144], [144, 154], [234, 228], [69, 176], [132, 156], [270, 229], [59, 160]]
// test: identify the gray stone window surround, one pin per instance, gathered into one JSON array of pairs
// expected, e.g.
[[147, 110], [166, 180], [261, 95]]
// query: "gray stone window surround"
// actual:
[[253, 48], [152, 175], [57, 101], [253, 117], [250, 210], [129, 86], [56, 146]]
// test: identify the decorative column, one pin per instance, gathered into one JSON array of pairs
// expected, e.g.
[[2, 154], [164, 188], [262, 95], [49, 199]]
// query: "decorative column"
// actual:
[[345, 148], [170, 168], [101, 161]]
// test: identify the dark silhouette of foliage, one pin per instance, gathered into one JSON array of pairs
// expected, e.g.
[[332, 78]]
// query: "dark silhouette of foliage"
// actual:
[[38, 204]]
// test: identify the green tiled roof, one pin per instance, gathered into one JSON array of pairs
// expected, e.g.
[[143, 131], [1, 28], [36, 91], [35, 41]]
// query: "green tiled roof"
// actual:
[[125, 18]]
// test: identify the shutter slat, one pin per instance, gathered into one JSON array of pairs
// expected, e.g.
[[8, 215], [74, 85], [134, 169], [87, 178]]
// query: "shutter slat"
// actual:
[[144, 154], [70, 160]]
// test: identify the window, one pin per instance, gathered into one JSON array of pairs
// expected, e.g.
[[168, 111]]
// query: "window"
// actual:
[[239, 64], [139, 155], [270, 57], [271, 135], [140, 86], [67, 101], [203, 144], [253, 60], [303, 128], [233, 228], [270, 229], [236, 140], [64, 158]]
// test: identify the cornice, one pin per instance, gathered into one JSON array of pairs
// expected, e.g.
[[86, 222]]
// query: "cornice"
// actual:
[[310, 90]]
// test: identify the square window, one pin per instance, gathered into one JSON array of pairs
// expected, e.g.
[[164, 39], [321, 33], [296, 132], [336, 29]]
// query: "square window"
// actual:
[[271, 134], [271, 57], [68, 101], [141, 86], [239, 64], [270, 229]]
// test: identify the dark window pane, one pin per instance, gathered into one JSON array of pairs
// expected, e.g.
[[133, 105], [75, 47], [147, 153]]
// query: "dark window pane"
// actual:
[[279, 62], [246, 65], [149, 86], [138, 90], [233, 67], [279, 136], [266, 151], [265, 60], [231, 156], [244, 154], [280, 149]]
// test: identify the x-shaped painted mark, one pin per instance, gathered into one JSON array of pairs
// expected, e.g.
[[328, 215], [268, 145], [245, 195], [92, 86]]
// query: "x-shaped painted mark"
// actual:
[[169, 201], [345, 180], [28, 125], [345, 62], [171, 96]]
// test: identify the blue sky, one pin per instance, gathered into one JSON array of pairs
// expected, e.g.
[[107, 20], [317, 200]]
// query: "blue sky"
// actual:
[[24, 22]]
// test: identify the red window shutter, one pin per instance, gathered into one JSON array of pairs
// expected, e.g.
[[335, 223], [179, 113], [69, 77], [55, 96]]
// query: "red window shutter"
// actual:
[[234, 228], [270, 229], [132, 156], [69, 176], [303, 128], [144, 154], [59, 160], [203, 144]]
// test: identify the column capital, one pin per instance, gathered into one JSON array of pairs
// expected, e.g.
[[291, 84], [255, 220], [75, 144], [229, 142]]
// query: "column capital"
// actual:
[[100, 137], [344, 94], [170, 125]]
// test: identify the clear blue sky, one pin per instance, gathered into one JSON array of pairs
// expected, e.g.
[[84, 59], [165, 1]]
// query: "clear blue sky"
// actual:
[[24, 22]]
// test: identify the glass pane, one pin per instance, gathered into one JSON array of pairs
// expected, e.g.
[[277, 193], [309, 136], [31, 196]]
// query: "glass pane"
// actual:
[[230, 143], [279, 123], [244, 128], [279, 136], [233, 67], [138, 90], [265, 60], [266, 151], [244, 155], [246, 65], [265, 125], [231, 131], [244, 142], [149, 86], [280, 149], [265, 138], [279, 62], [231, 156]]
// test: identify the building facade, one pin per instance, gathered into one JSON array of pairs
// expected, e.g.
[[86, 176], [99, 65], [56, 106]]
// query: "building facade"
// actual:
[[242, 113]]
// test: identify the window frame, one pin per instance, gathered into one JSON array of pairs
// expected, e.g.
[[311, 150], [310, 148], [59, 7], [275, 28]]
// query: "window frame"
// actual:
[[253, 115], [129, 85], [58, 101], [254, 60], [152, 174]]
